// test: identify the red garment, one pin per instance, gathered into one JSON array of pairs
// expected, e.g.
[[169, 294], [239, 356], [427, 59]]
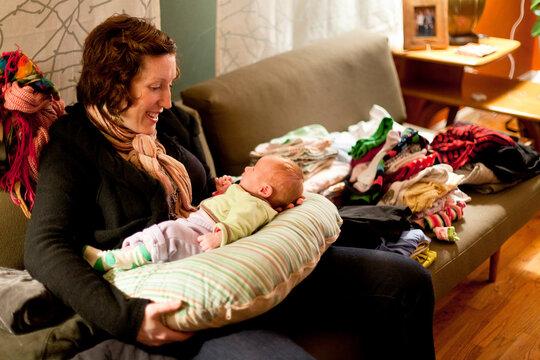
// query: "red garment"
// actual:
[[414, 167], [459, 144]]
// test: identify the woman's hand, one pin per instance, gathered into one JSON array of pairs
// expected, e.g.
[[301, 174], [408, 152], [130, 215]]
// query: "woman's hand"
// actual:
[[298, 201], [153, 332]]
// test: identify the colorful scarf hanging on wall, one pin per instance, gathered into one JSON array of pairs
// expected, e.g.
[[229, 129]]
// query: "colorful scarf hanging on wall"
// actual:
[[29, 104]]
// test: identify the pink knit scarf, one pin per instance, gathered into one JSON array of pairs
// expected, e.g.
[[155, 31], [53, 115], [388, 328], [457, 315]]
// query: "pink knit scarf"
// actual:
[[29, 115], [147, 154]]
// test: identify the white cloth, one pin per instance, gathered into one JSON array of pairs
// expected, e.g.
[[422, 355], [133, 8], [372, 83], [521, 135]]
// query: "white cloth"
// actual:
[[440, 173]]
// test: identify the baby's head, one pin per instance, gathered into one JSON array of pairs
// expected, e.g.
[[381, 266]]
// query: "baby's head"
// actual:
[[279, 180]]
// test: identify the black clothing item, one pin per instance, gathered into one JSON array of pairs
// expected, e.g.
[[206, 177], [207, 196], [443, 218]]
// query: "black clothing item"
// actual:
[[365, 226], [88, 194], [511, 163]]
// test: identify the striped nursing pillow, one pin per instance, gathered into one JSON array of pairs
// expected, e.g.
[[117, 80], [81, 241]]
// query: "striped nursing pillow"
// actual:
[[243, 279]]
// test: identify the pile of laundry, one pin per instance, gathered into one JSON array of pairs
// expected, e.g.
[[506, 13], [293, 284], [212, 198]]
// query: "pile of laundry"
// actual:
[[29, 104], [311, 148], [389, 170]]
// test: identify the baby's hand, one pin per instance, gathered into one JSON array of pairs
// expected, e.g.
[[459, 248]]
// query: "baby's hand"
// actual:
[[210, 241], [223, 183]]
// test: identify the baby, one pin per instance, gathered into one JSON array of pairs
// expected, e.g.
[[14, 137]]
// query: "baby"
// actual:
[[238, 211]]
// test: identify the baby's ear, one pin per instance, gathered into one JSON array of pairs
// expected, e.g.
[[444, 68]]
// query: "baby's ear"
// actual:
[[266, 191]]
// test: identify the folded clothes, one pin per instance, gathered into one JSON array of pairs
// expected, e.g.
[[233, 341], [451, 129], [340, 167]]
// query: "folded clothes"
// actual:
[[25, 304]]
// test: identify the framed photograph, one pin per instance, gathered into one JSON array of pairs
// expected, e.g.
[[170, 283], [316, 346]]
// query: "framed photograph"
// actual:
[[425, 24]]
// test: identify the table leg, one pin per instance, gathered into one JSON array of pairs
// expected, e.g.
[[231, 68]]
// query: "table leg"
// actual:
[[530, 129]]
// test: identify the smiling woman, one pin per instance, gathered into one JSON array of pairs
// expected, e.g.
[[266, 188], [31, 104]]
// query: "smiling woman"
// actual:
[[151, 89], [116, 178]]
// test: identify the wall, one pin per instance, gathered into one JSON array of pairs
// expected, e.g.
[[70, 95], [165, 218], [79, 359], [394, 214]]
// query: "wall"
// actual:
[[192, 24], [52, 33], [497, 20]]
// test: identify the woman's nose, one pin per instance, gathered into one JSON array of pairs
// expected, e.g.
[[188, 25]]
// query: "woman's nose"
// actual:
[[165, 99]]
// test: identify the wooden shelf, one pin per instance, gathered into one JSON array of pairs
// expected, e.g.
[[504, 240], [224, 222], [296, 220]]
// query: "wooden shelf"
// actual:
[[449, 56], [436, 79], [506, 96]]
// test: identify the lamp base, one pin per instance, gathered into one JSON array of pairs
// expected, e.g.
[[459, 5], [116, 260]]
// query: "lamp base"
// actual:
[[463, 39]]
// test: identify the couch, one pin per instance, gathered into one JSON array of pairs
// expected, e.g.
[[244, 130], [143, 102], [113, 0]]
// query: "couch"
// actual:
[[334, 83]]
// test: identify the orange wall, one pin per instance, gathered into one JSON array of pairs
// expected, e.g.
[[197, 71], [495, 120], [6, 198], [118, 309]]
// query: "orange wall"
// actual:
[[497, 20]]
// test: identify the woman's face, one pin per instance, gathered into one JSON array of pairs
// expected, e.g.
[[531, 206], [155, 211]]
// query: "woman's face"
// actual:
[[151, 88]]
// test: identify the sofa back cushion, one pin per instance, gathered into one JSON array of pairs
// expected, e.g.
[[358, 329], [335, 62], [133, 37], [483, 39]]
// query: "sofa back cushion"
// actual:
[[334, 83]]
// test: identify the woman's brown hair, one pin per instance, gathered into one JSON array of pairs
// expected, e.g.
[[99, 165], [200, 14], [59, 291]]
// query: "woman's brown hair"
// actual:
[[112, 56]]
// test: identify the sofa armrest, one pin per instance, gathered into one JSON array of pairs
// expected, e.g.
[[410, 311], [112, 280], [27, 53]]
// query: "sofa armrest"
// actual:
[[12, 233]]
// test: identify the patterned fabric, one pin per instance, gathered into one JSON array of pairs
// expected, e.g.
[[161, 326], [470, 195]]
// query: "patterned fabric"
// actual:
[[147, 154], [241, 280], [411, 169], [29, 105], [461, 143], [445, 217], [17, 66]]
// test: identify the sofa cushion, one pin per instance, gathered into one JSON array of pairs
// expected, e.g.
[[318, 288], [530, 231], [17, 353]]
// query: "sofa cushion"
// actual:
[[336, 87], [243, 279]]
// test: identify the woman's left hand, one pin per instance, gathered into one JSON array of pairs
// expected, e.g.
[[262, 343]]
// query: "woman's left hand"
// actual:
[[153, 332], [298, 201]]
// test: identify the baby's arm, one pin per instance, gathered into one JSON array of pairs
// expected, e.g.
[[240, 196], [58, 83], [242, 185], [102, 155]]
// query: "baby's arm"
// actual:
[[210, 241]]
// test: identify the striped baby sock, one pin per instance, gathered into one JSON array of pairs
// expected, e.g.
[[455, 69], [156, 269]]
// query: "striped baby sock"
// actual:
[[125, 258], [444, 218]]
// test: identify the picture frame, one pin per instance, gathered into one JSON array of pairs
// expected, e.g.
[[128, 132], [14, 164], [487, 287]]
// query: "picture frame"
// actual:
[[425, 24]]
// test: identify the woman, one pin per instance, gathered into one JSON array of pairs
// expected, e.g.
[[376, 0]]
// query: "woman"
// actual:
[[116, 164]]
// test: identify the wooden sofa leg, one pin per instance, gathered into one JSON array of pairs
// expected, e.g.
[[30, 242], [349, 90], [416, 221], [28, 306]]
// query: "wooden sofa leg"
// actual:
[[493, 264]]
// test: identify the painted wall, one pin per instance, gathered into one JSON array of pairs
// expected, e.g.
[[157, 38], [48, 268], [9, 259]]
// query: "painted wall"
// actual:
[[192, 24], [497, 20]]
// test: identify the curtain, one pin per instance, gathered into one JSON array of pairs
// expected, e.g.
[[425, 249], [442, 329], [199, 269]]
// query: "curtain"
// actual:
[[52, 33], [250, 30]]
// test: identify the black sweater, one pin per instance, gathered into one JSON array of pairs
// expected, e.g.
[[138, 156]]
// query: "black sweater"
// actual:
[[88, 194]]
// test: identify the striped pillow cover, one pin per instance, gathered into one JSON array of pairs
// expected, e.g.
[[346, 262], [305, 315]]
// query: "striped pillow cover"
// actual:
[[243, 279]]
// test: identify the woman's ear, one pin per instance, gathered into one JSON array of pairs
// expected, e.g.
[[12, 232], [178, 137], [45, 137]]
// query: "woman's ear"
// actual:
[[266, 191]]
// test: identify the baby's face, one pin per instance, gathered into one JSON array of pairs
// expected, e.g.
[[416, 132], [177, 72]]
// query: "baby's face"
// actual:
[[254, 177]]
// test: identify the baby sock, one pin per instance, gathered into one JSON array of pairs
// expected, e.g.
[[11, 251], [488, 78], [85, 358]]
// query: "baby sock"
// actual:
[[445, 217], [125, 258], [446, 233]]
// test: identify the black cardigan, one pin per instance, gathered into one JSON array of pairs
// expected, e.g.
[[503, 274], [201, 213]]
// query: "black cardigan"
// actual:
[[88, 194]]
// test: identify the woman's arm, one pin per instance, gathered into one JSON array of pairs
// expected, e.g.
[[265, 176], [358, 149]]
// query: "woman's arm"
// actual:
[[63, 219]]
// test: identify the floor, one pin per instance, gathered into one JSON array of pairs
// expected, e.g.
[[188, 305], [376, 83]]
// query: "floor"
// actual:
[[500, 320]]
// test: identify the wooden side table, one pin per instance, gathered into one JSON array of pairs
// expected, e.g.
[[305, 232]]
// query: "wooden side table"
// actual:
[[438, 78]]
